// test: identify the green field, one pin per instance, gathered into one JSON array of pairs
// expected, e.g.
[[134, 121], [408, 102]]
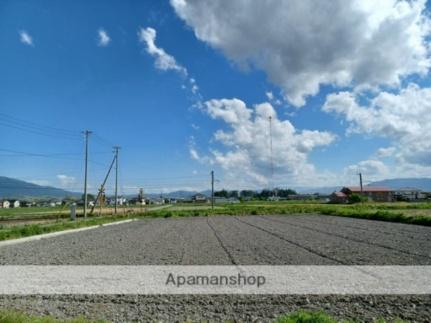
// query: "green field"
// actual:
[[296, 317]]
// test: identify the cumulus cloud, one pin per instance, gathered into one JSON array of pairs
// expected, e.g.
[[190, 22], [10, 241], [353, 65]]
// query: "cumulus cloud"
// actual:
[[245, 152], [25, 38], [194, 86], [104, 38], [66, 181], [371, 169], [401, 117], [386, 152], [163, 60], [304, 44]]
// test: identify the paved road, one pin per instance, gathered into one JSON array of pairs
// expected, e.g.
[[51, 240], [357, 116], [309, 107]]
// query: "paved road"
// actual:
[[222, 240]]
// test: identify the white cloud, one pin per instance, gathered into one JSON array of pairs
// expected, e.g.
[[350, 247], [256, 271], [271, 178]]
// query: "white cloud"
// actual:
[[386, 152], [269, 95], [163, 60], [304, 44], [104, 38], [402, 117], [371, 170], [192, 149], [25, 38], [166, 62], [66, 181], [195, 127], [246, 154], [194, 87]]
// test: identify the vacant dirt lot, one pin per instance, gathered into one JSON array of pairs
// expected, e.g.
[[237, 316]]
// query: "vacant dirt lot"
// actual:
[[293, 240]]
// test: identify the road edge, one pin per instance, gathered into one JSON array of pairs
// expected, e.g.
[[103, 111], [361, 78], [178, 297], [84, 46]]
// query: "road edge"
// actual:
[[59, 233]]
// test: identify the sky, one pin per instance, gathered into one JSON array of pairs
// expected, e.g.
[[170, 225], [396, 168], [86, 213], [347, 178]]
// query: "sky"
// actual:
[[267, 94]]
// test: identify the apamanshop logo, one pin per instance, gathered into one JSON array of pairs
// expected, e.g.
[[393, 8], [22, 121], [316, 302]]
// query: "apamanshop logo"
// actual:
[[238, 280]]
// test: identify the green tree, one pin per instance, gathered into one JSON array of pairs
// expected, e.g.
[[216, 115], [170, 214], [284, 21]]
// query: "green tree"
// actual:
[[356, 198], [222, 193]]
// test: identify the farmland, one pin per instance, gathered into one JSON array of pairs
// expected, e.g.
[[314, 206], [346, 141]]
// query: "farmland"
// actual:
[[18, 222], [228, 240]]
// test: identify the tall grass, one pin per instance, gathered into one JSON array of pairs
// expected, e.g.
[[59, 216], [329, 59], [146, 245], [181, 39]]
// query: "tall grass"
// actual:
[[19, 317], [371, 211], [319, 317], [20, 231]]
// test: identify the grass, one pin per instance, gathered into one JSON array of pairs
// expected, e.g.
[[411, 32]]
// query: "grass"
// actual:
[[21, 231], [318, 317], [306, 317], [373, 211], [19, 317], [296, 317]]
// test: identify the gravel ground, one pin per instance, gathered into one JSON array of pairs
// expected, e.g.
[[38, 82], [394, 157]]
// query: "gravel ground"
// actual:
[[222, 240]]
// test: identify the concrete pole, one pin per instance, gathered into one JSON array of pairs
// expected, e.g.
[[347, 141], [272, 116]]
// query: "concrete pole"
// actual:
[[116, 148], [86, 133], [212, 189]]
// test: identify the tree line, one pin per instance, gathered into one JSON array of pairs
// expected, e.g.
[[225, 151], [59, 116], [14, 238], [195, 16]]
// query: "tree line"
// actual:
[[258, 195]]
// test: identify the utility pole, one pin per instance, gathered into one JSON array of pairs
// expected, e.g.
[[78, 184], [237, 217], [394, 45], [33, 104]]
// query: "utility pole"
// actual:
[[102, 187], [360, 182], [274, 191], [212, 189], [116, 148], [86, 133]]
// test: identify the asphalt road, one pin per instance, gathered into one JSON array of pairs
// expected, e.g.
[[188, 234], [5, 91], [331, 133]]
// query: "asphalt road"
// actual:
[[223, 240]]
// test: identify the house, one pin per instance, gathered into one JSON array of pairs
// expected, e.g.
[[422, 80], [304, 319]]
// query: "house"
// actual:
[[136, 201], [27, 204], [338, 198], [226, 200], [5, 204], [409, 194], [14, 203], [374, 193], [199, 198], [157, 201]]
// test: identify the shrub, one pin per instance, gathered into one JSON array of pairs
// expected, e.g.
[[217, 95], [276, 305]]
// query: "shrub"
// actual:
[[306, 317], [167, 214], [356, 198]]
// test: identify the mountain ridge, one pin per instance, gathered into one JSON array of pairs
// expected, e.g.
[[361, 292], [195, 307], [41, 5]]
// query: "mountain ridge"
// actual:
[[15, 188]]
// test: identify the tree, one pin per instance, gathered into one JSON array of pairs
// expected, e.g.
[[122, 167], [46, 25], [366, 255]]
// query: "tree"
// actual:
[[222, 193], [247, 193], [285, 192], [356, 198], [90, 197]]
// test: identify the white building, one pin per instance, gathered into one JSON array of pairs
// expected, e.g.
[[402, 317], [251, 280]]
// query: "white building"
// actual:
[[5, 204], [409, 193], [14, 203]]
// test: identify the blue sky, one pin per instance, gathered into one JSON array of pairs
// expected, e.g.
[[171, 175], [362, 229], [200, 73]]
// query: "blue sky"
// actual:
[[55, 72]]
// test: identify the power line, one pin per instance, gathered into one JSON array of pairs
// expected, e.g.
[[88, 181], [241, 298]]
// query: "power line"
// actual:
[[31, 127], [54, 155], [102, 140], [161, 179], [24, 123]]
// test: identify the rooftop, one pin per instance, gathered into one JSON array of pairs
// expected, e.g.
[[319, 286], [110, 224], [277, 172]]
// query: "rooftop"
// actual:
[[369, 189]]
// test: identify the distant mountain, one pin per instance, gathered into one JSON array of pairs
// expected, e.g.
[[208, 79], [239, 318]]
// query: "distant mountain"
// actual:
[[179, 194], [321, 190], [14, 188], [421, 183]]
